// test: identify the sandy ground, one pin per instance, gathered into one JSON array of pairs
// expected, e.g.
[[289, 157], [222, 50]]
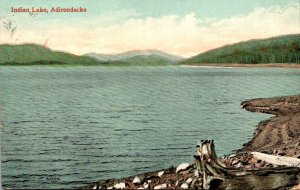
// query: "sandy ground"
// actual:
[[281, 133], [271, 65]]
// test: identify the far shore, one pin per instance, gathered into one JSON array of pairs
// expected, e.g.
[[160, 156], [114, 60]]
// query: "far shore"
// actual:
[[270, 65]]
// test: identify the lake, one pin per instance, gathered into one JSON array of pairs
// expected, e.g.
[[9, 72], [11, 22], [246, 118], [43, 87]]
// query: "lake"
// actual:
[[65, 127]]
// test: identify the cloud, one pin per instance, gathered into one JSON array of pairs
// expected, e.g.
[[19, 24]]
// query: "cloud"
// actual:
[[186, 36]]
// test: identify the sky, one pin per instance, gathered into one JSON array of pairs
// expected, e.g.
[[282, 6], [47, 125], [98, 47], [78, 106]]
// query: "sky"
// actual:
[[180, 27]]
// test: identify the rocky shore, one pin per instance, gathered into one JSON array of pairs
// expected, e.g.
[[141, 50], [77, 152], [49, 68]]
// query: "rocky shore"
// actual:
[[276, 143], [279, 135]]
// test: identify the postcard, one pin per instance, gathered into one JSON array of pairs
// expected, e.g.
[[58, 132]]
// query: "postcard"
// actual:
[[152, 94]]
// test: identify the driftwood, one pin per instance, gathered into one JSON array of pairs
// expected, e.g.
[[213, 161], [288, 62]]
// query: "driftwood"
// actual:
[[277, 160], [215, 175]]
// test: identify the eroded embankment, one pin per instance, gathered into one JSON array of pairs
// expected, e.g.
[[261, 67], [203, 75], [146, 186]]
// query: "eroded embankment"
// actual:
[[280, 134]]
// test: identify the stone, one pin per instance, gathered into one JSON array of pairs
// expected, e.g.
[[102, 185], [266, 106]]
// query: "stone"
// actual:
[[162, 186], [188, 181], [182, 166], [234, 162], [239, 165], [184, 186], [121, 185], [160, 173], [136, 180], [145, 185]]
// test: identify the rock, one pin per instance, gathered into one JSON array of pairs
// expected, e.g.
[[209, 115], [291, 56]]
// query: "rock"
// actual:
[[110, 187], [145, 185], [136, 180], [121, 185], [188, 181], [184, 186], [182, 166], [239, 165], [141, 188], [160, 173], [162, 186], [95, 187], [149, 181], [235, 162], [176, 183]]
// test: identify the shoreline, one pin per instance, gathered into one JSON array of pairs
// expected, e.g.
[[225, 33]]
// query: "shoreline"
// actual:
[[234, 65], [282, 129], [278, 135]]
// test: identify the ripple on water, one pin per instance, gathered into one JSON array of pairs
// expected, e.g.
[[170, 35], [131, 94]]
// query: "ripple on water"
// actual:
[[91, 123]]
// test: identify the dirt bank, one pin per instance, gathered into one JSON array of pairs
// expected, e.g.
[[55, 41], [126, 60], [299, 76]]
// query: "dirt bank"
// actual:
[[281, 133], [271, 65]]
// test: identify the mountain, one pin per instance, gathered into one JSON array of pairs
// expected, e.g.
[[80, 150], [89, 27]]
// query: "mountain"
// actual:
[[33, 54], [280, 49], [149, 56], [148, 60]]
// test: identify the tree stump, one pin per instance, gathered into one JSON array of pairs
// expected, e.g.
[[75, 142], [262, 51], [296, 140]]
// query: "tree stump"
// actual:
[[215, 175]]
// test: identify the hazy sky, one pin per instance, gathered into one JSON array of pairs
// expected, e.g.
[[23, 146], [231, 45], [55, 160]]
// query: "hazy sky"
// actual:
[[180, 27]]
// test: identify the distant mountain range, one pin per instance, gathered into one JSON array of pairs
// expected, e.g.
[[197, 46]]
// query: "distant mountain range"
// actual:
[[33, 54], [137, 53], [280, 49], [139, 57]]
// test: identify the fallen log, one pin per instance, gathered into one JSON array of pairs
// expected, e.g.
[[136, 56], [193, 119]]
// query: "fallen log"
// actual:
[[277, 160], [215, 175]]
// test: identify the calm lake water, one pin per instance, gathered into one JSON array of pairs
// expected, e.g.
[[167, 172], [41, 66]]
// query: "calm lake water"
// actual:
[[64, 127]]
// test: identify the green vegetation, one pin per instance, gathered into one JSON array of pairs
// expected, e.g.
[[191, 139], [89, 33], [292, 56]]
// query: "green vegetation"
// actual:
[[147, 60], [281, 49], [32, 54]]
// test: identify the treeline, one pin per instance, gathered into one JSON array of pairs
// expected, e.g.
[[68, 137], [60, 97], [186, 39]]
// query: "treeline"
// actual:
[[283, 49]]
